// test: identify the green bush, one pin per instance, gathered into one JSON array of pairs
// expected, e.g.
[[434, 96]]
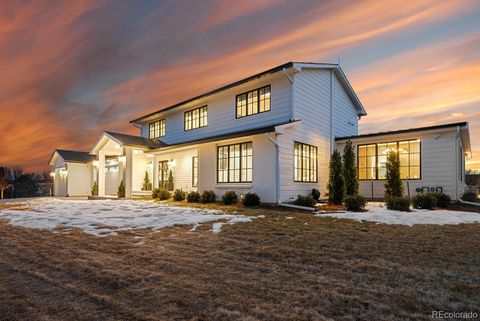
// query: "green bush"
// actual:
[[155, 193], [193, 197], [251, 199], [208, 197], [470, 196], [229, 198], [336, 181], [95, 189], [350, 169], [315, 194], [424, 201], [121, 190], [355, 203], [307, 201], [393, 183], [163, 194], [398, 203], [179, 195], [443, 200]]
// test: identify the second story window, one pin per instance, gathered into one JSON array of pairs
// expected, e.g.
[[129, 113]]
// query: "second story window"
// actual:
[[157, 129], [195, 118], [253, 102]]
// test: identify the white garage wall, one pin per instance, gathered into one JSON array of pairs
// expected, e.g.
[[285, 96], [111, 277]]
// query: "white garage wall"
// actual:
[[79, 182]]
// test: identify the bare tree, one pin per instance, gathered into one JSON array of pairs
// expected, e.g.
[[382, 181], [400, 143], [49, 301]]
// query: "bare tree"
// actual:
[[3, 186]]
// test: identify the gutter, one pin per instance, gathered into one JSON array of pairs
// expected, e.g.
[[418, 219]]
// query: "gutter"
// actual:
[[277, 167], [456, 161]]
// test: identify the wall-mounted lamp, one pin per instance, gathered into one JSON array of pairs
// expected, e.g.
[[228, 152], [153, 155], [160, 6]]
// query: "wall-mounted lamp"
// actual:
[[52, 174], [171, 163], [63, 172]]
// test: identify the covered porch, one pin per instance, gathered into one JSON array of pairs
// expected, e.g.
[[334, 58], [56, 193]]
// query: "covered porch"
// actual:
[[122, 158]]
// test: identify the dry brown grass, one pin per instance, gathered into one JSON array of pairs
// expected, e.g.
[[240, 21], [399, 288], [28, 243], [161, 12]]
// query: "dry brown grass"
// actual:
[[306, 268]]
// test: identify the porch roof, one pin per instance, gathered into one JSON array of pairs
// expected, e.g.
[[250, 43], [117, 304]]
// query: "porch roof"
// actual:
[[137, 141], [248, 132]]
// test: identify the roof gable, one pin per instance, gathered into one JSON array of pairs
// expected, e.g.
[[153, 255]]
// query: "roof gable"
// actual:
[[297, 66]]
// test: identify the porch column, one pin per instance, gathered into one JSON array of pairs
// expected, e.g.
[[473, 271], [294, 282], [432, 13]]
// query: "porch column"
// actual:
[[128, 171], [101, 173], [155, 172]]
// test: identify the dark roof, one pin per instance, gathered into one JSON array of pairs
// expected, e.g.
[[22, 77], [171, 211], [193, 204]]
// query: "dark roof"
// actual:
[[402, 131], [248, 132], [131, 140], [231, 85], [72, 156], [245, 80]]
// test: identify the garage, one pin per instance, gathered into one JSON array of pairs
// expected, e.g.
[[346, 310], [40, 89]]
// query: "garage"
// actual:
[[72, 173]]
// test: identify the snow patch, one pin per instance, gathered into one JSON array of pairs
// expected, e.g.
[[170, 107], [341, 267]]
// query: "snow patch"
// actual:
[[380, 214], [107, 217]]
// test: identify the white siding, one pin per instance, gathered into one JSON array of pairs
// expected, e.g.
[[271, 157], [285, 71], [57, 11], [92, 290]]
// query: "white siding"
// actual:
[[345, 115], [311, 102], [264, 175], [222, 111], [438, 163], [181, 168], [79, 179]]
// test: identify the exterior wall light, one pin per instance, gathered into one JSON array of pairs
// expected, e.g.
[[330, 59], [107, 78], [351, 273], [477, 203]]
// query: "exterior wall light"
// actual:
[[171, 163]]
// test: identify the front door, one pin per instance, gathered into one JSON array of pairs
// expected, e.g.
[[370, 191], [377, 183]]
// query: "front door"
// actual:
[[163, 174]]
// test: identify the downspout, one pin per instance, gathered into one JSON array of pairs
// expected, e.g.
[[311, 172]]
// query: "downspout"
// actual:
[[456, 161], [277, 168], [292, 110], [331, 112]]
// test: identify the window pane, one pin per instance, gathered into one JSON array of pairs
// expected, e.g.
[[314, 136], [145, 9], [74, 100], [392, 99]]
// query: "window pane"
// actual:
[[382, 173], [415, 146], [415, 159], [305, 163], [362, 151], [403, 172], [415, 172]]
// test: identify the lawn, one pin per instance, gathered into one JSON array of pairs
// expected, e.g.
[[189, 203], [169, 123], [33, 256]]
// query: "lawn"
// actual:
[[285, 266]]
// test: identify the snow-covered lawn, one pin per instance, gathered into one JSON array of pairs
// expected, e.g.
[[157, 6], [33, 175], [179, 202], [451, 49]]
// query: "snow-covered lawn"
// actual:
[[106, 217], [377, 212]]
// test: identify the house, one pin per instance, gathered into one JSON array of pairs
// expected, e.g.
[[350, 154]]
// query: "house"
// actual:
[[271, 133]]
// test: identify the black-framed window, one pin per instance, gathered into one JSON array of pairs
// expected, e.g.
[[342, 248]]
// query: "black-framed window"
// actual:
[[235, 163], [157, 129], [194, 171], [196, 118], [306, 163], [253, 102], [372, 159]]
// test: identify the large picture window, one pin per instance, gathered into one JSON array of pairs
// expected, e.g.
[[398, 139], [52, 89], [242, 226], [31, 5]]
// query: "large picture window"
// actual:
[[305, 163], [234, 163], [157, 129], [195, 118], [253, 102], [372, 159]]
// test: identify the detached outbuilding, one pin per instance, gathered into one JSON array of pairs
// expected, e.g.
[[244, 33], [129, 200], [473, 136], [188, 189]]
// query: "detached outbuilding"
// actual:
[[72, 172]]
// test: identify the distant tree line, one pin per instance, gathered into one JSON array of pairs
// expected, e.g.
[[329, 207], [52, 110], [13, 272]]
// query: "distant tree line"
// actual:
[[15, 183]]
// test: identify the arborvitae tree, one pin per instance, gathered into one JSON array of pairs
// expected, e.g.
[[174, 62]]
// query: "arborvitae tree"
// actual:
[[336, 182], [393, 183], [350, 170]]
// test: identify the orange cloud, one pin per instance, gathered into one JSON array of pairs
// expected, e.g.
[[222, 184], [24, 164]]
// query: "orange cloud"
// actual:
[[71, 70]]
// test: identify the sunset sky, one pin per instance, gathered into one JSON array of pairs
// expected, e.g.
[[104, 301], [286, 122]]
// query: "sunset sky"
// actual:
[[72, 69]]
